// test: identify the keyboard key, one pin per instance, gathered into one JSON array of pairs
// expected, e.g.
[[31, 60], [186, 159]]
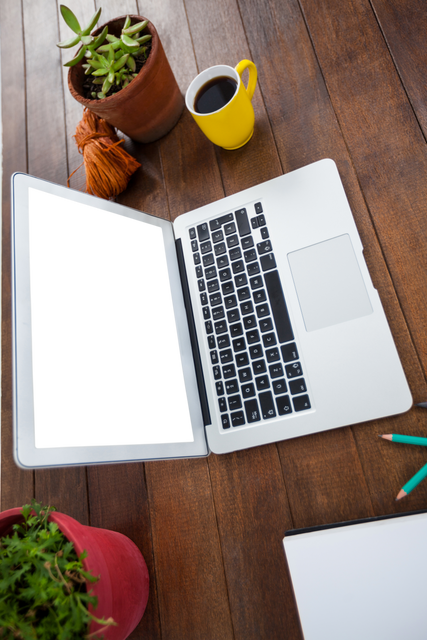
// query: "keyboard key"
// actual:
[[209, 327], [249, 322], [206, 247], [252, 336], [216, 372], [226, 356], [242, 222], [264, 233], [258, 367], [215, 299], [283, 404], [262, 310], [244, 293], [232, 241], [220, 327], [199, 272], [213, 285], [248, 390], [225, 274], [261, 220], [276, 370], [301, 403], [223, 341], [203, 232], [293, 370], [272, 354], [227, 218], [232, 386], [245, 375], [238, 266], [233, 316], [196, 258], [214, 357], [208, 260], [252, 411], [210, 273], [247, 307], [256, 282], [192, 233], [253, 268], [229, 228], [254, 223], [230, 302], [203, 298], [297, 386], [194, 245], [214, 224], [234, 402], [289, 352], [225, 421], [279, 386], [229, 371], [222, 404], [218, 313], [206, 313], [211, 342], [267, 405], [268, 262], [239, 344], [260, 296], [258, 207], [241, 280], [262, 382], [264, 247], [278, 306], [247, 242], [236, 330], [266, 324], [201, 284], [255, 352], [227, 288], [219, 388], [222, 262], [269, 339], [220, 249], [235, 254], [217, 236], [250, 255], [237, 419], [242, 359]]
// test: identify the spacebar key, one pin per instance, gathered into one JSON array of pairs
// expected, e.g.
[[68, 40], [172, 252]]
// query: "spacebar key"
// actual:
[[278, 306]]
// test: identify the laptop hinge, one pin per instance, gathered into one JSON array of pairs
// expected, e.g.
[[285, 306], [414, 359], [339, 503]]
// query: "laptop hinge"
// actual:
[[193, 335]]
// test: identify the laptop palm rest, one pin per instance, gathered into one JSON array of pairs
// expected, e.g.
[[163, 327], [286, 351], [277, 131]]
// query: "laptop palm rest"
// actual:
[[329, 283]]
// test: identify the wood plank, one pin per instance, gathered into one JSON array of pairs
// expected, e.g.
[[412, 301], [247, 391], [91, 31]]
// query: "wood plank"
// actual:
[[16, 485], [403, 24], [118, 501], [45, 105], [253, 515], [192, 587]]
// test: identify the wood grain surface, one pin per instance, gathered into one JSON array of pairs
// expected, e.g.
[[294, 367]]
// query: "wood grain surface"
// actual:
[[345, 80]]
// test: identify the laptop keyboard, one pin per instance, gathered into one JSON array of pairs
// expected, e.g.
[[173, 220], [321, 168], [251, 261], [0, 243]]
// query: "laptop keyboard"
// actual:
[[255, 361]]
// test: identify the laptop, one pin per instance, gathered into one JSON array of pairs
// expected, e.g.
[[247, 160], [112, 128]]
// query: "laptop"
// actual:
[[244, 322]]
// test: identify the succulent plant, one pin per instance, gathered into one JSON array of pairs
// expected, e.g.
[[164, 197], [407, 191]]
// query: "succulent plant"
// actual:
[[112, 63]]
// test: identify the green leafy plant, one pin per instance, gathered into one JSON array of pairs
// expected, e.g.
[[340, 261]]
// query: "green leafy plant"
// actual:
[[42, 582], [113, 64]]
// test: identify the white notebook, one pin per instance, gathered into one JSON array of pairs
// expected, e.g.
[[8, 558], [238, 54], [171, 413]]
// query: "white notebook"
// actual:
[[363, 580]]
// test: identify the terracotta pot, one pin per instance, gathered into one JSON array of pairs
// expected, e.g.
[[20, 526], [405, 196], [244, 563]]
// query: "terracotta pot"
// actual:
[[150, 105], [122, 590]]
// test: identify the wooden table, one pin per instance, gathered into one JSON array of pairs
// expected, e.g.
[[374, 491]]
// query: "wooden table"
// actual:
[[345, 80]]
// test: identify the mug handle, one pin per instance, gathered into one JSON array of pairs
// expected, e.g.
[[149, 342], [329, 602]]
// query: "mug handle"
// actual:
[[247, 64]]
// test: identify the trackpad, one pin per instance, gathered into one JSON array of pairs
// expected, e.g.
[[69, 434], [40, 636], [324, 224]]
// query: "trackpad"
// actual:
[[329, 284]]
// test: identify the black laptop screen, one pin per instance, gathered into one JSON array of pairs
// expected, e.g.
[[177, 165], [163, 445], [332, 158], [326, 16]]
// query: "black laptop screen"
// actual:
[[106, 362]]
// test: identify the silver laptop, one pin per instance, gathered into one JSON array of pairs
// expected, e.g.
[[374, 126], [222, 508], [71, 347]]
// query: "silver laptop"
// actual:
[[245, 322]]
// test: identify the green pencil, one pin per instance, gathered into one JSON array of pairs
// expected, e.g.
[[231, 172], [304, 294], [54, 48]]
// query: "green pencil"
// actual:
[[395, 437], [412, 483]]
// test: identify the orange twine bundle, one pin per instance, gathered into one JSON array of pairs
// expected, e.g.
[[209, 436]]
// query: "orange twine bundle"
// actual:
[[108, 166]]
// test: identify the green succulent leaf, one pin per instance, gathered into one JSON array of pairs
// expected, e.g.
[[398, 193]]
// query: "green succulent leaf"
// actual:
[[131, 31], [107, 85], [87, 40], [67, 44], [143, 39], [77, 58], [126, 24], [101, 95], [110, 79], [100, 72], [100, 39], [98, 80], [96, 64], [129, 42], [130, 62], [112, 38], [121, 62], [70, 19], [92, 23]]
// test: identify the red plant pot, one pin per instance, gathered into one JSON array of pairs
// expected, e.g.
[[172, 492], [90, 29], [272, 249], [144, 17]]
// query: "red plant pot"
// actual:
[[122, 590], [150, 105]]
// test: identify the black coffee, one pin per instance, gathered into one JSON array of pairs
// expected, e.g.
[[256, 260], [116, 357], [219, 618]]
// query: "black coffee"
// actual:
[[214, 94]]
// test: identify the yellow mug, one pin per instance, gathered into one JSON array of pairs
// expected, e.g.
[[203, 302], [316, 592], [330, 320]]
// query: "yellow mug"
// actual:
[[229, 125]]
